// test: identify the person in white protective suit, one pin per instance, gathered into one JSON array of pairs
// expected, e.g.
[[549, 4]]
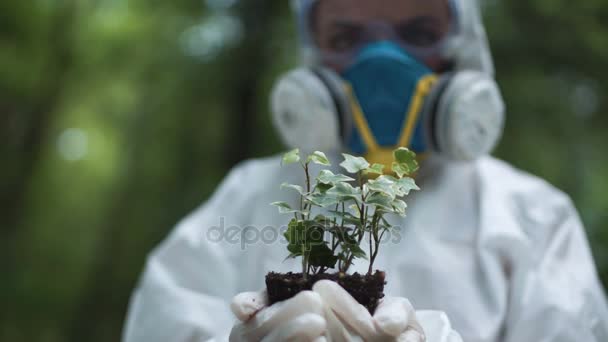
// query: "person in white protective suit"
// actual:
[[500, 253]]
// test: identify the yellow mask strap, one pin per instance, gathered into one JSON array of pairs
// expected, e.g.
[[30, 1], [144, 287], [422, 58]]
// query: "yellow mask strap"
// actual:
[[360, 121], [422, 90]]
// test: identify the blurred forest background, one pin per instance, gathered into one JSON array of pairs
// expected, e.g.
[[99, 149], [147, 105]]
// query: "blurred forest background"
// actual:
[[119, 117]]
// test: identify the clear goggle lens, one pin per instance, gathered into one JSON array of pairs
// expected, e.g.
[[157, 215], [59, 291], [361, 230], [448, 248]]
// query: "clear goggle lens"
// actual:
[[422, 37]]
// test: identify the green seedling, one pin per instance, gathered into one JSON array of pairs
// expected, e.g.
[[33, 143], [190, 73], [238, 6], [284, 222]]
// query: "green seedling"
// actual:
[[336, 212]]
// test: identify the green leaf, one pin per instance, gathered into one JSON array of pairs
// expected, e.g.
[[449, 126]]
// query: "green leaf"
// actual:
[[322, 199], [404, 155], [295, 234], [399, 206], [297, 188], [380, 200], [325, 222], [350, 244], [292, 255], [400, 169], [319, 158], [405, 162], [291, 157], [354, 164], [383, 185], [357, 251], [355, 210], [328, 177], [404, 185], [322, 256], [347, 217], [342, 256], [294, 250], [377, 169], [301, 235], [407, 184], [348, 240], [345, 191], [315, 234], [284, 208], [322, 188], [385, 222]]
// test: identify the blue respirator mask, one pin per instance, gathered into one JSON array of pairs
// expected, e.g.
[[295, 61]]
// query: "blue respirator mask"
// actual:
[[386, 89], [387, 99]]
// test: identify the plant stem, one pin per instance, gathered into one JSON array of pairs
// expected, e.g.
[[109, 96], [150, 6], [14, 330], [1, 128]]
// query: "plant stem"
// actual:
[[335, 230], [373, 259], [306, 206], [348, 262], [304, 263], [373, 252], [306, 171], [301, 207]]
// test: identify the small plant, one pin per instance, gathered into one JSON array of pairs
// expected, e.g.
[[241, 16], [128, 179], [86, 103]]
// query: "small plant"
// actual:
[[337, 212]]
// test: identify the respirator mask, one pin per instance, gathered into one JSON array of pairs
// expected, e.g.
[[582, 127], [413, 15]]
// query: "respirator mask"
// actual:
[[385, 98]]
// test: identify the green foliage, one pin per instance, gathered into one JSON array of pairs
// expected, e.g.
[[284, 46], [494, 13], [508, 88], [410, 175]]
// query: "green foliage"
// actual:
[[354, 164], [306, 240], [358, 211], [405, 162], [291, 157], [284, 208], [319, 158], [376, 169], [344, 192], [294, 187], [302, 235], [322, 257], [328, 177]]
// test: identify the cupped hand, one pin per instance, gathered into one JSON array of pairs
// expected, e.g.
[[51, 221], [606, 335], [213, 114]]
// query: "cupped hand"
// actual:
[[300, 318], [394, 319], [327, 313]]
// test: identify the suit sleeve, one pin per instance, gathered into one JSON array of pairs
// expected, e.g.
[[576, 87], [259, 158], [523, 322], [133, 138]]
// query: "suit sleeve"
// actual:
[[188, 281], [556, 295]]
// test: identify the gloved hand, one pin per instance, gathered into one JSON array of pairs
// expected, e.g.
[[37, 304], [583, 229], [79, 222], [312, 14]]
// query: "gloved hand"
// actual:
[[300, 318], [437, 326], [393, 320], [328, 313]]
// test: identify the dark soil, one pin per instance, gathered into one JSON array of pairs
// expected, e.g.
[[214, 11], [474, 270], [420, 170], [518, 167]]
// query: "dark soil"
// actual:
[[366, 289]]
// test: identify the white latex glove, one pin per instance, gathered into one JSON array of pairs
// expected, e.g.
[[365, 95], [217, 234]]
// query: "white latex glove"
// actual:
[[328, 313], [393, 320], [300, 318], [437, 326]]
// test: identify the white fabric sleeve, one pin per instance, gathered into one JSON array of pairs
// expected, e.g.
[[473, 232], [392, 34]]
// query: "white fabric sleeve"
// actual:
[[556, 294], [188, 280]]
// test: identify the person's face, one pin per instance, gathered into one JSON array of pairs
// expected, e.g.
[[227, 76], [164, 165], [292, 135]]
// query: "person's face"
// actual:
[[338, 24]]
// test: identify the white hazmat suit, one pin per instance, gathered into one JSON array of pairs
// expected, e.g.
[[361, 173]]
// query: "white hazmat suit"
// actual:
[[503, 253]]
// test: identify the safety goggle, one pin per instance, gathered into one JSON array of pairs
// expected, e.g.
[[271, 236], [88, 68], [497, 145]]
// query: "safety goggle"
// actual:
[[419, 43]]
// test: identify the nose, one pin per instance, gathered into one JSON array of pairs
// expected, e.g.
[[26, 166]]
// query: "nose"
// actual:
[[381, 31]]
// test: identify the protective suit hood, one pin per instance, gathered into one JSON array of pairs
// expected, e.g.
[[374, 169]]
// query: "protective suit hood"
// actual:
[[468, 49], [379, 94]]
